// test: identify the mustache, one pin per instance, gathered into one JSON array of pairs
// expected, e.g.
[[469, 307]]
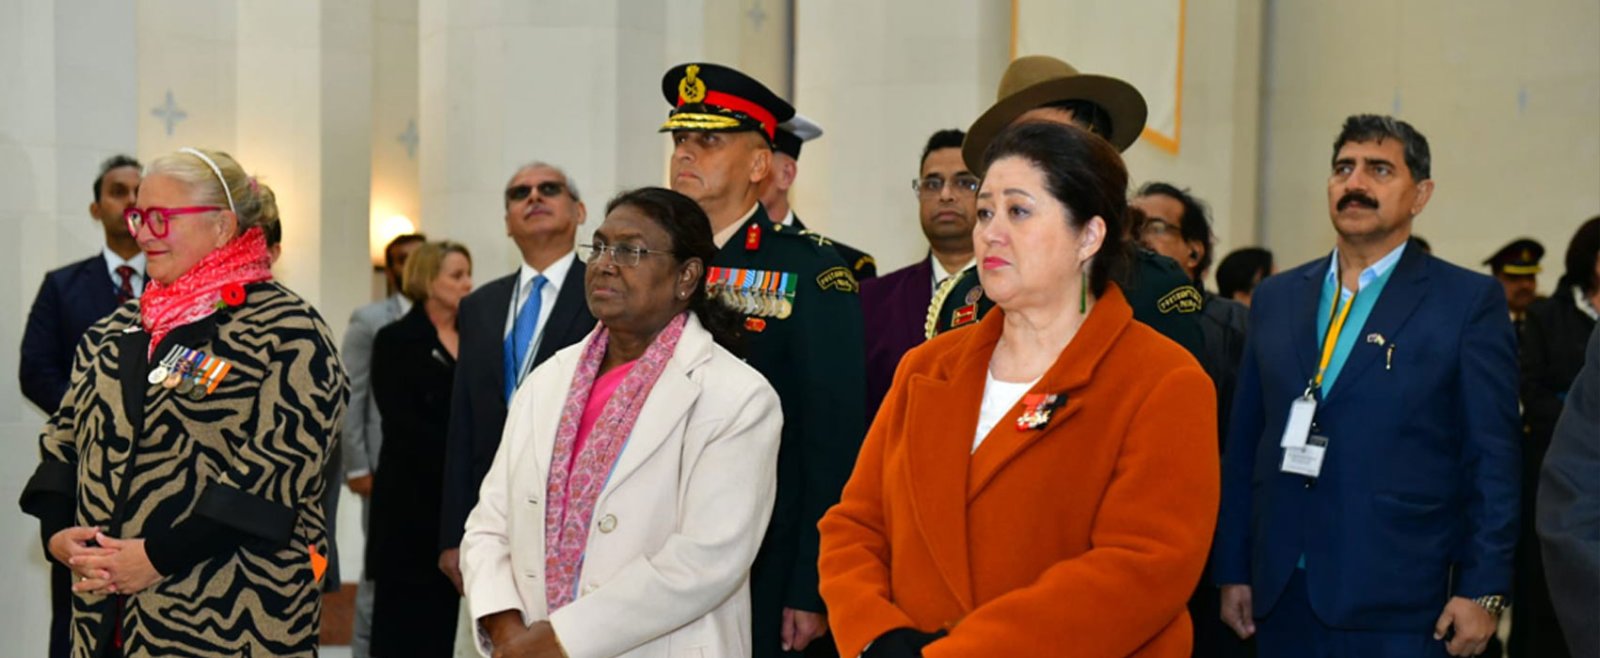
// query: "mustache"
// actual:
[[1356, 197]]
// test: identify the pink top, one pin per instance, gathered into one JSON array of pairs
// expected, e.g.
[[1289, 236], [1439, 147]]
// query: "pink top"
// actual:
[[604, 386]]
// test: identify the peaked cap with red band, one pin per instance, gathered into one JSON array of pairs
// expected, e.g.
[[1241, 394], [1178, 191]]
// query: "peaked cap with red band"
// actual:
[[715, 98]]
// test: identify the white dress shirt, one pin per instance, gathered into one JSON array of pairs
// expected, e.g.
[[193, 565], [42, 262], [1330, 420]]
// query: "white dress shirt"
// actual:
[[113, 261], [555, 275]]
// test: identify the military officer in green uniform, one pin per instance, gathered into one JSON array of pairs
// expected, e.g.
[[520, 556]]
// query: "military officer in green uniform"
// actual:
[[791, 135], [1039, 88], [802, 330]]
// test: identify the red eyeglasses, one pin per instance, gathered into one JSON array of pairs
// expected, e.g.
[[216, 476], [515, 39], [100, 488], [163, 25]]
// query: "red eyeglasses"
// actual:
[[159, 219]]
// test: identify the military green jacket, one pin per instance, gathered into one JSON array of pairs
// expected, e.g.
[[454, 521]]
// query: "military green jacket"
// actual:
[[803, 332], [861, 263], [1159, 291]]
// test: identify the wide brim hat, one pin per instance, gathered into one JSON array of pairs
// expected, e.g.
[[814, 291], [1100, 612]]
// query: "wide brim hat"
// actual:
[[714, 98], [1038, 80]]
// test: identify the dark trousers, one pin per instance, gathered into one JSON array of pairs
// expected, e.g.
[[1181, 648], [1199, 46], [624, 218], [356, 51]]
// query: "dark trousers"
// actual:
[[60, 610], [1212, 637], [1293, 630]]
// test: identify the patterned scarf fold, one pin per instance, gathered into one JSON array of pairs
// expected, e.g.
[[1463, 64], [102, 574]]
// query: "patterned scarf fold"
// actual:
[[572, 493], [198, 292]]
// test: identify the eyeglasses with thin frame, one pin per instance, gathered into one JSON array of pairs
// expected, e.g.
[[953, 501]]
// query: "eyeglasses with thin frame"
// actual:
[[626, 255], [932, 185], [547, 189], [1153, 227], [159, 219]]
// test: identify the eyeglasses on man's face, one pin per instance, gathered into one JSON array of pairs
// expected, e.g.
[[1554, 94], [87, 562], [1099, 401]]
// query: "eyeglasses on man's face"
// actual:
[[626, 255], [159, 219], [1155, 228], [933, 185], [547, 189]]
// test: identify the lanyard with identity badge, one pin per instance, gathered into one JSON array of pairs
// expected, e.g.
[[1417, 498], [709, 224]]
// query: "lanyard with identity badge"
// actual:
[[1303, 451]]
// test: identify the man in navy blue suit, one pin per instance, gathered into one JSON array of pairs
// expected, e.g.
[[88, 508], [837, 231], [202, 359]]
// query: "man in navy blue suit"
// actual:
[[75, 296], [71, 299], [1370, 480]]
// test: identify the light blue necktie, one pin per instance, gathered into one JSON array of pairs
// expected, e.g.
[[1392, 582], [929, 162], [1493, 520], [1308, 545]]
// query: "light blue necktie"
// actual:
[[522, 333]]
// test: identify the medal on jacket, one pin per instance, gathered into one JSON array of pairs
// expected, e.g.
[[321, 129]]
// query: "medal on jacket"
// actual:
[[191, 365], [159, 373], [1036, 409], [175, 375]]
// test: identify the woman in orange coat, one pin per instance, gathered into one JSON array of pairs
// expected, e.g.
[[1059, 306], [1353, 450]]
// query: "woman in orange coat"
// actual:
[[1043, 483]]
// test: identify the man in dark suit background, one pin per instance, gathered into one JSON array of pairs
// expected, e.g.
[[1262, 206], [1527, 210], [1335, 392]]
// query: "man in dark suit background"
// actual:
[[71, 299], [508, 327], [894, 307], [362, 433], [75, 296], [1371, 478]]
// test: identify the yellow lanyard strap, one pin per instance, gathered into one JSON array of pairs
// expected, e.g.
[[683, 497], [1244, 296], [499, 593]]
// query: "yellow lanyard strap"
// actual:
[[1335, 325]]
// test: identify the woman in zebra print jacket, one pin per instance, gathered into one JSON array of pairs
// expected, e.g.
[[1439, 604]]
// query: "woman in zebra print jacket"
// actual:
[[181, 476]]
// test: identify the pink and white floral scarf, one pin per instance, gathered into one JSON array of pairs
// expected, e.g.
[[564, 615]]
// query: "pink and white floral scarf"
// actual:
[[572, 493]]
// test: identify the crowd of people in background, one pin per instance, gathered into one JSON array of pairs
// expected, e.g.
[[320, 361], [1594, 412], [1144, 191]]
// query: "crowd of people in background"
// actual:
[[695, 427]]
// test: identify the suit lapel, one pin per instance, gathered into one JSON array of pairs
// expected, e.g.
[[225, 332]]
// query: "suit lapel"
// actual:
[[1400, 296], [667, 403], [489, 326], [550, 388], [1307, 312], [938, 467]]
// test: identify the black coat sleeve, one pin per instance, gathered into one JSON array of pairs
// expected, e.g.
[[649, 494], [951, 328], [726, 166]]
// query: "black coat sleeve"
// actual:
[[43, 370]]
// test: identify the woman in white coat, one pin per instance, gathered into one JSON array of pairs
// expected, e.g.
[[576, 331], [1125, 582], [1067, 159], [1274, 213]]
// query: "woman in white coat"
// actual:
[[624, 521]]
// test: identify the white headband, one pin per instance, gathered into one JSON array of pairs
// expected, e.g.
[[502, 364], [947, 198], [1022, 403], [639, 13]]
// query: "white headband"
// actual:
[[215, 170]]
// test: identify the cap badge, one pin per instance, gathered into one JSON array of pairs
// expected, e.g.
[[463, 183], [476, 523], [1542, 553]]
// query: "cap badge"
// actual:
[[691, 89]]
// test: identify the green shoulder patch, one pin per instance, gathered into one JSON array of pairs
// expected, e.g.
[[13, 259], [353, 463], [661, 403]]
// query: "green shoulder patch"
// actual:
[[1182, 299], [837, 278]]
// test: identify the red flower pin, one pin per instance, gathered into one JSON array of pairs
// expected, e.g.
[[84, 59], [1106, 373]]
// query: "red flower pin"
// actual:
[[233, 294]]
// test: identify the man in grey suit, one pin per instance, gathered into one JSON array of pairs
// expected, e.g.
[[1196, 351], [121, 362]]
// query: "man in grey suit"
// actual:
[[362, 437], [1569, 510]]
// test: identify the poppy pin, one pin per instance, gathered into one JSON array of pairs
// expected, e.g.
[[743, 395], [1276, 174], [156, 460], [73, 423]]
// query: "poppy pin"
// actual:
[[233, 294]]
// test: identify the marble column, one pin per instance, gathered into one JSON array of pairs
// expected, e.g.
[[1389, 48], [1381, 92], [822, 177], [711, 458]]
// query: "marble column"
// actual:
[[881, 78], [71, 101], [576, 85]]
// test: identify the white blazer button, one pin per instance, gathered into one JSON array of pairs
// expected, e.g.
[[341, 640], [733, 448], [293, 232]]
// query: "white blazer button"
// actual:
[[533, 499], [531, 574], [608, 523]]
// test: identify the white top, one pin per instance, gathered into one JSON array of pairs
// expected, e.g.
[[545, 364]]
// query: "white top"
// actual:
[[113, 261], [554, 276], [722, 237], [998, 399]]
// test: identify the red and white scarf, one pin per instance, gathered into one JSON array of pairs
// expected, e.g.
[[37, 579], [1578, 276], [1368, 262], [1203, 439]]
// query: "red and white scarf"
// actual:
[[198, 292], [572, 493]]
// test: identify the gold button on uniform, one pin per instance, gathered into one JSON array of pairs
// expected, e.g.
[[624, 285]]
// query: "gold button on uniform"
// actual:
[[608, 523]]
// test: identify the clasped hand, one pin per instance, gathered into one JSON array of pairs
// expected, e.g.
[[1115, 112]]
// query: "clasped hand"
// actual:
[[513, 640], [106, 566]]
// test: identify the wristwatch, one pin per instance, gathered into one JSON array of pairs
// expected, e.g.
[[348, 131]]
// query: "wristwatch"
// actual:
[[1494, 603]]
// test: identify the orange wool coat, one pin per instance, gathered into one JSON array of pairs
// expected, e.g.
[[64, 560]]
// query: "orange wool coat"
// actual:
[[1083, 538]]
